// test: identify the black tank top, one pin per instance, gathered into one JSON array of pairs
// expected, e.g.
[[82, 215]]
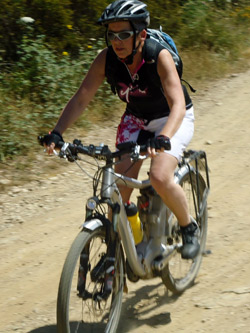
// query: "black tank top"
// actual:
[[144, 98]]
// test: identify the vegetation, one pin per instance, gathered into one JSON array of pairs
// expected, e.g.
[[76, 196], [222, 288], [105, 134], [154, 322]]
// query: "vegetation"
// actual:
[[48, 45]]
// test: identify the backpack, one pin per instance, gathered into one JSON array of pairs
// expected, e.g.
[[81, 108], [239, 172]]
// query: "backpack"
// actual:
[[150, 54], [168, 43]]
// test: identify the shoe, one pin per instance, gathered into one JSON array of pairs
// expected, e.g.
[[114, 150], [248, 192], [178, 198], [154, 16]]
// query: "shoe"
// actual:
[[190, 240]]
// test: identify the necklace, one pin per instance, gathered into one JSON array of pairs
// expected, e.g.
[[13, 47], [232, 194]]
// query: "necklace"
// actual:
[[135, 75]]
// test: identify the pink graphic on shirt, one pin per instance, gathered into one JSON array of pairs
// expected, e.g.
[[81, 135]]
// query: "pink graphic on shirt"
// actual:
[[129, 125], [126, 91]]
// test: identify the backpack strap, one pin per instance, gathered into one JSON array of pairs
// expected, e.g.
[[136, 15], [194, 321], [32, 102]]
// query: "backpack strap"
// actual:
[[189, 85], [158, 40], [151, 52]]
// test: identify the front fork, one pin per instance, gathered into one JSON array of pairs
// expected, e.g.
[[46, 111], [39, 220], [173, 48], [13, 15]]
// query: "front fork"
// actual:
[[107, 264], [120, 225]]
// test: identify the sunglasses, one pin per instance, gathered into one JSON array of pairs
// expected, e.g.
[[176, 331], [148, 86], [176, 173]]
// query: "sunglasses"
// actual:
[[122, 35]]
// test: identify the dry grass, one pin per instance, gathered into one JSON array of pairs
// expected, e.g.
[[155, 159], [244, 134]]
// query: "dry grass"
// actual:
[[203, 66]]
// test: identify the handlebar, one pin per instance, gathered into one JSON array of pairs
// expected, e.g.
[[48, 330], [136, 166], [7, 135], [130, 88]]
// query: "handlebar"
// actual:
[[71, 150]]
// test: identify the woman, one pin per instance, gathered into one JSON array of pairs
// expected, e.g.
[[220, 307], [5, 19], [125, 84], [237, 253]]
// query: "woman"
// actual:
[[156, 115]]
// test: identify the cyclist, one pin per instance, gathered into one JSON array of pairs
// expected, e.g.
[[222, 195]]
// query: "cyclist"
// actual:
[[161, 116]]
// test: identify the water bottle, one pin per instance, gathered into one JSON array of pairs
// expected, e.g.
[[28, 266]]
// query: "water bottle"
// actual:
[[135, 222]]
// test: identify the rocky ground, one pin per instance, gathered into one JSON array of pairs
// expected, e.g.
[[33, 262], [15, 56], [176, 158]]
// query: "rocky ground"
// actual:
[[40, 219]]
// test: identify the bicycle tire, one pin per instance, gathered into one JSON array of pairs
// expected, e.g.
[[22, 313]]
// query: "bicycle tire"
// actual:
[[75, 314], [180, 273]]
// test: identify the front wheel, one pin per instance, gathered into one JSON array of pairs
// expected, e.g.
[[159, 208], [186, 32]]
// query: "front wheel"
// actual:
[[180, 273], [84, 311]]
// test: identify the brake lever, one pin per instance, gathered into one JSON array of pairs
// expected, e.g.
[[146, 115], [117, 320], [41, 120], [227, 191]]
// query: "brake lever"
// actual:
[[63, 151], [135, 153]]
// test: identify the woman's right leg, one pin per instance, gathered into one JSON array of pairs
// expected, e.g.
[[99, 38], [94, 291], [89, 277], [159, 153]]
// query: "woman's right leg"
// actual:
[[129, 169], [128, 130]]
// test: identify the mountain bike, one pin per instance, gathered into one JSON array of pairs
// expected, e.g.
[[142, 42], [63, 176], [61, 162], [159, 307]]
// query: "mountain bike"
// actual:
[[104, 254]]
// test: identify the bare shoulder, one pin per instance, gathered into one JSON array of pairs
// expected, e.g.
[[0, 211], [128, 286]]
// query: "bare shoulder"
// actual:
[[101, 57], [165, 63], [100, 61]]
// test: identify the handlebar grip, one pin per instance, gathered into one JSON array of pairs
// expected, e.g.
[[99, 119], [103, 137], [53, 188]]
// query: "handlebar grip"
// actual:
[[60, 144], [127, 146]]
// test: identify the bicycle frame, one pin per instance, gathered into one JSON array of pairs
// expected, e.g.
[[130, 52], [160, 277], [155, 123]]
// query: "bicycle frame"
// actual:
[[154, 247]]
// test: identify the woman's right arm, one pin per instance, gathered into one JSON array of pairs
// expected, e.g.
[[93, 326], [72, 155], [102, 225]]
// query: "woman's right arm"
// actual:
[[78, 103]]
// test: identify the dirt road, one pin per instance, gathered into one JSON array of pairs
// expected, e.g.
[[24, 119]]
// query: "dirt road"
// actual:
[[39, 221]]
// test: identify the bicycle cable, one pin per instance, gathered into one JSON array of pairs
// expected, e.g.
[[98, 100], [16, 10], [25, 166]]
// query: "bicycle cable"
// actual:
[[80, 167], [98, 173]]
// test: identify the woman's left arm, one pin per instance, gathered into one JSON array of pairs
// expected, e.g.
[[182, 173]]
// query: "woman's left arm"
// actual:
[[173, 92]]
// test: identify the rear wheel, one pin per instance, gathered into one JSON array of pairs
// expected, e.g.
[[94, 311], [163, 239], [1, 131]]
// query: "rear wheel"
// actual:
[[180, 273], [89, 313]]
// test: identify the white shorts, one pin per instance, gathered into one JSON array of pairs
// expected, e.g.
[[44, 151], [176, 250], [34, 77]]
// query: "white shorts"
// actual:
[[130, 127]]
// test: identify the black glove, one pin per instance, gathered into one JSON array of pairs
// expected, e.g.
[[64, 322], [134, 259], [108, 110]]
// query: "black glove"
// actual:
[[160, 141], [53, 136]]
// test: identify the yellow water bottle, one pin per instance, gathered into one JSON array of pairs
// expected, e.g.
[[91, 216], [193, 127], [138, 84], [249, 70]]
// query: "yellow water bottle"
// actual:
[[135, 222]]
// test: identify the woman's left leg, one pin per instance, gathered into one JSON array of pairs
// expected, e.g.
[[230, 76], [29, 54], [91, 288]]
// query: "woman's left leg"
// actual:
[[162, 179]]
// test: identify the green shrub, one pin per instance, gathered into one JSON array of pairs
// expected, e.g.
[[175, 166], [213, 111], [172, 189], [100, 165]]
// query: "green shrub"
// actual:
[[166, 13], [36, 89], [66, 24], [205, 26], [11, 29]]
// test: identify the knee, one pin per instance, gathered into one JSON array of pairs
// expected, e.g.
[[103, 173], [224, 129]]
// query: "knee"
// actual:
[[162, 173], [160, 180]]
